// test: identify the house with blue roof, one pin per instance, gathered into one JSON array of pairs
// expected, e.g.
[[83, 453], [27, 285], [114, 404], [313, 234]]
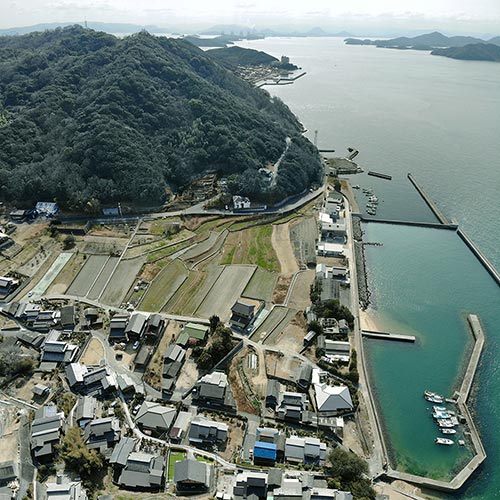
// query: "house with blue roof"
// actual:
[[264, 453]]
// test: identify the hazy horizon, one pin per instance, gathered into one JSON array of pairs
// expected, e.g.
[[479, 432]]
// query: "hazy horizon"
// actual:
[[361, 17]]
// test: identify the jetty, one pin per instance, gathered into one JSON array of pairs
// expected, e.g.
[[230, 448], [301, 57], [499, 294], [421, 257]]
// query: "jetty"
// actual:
[[388, 336], [433, 225], [430, 202], [379, 174]]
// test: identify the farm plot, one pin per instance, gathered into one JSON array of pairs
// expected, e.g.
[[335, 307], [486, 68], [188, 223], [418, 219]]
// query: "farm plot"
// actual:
[[202, 247], [290, 337], [281, 243], [274, 320], [39, 289], [300, 294], [251, 246], [225, 292], [262, 285], [280, 366], [163, 287], [121, 281], [192, 292], [102, 279], [303, 236], [85, 278], [67, 275]]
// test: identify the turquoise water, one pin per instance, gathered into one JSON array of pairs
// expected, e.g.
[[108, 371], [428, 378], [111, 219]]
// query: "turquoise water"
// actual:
[[439, 119]]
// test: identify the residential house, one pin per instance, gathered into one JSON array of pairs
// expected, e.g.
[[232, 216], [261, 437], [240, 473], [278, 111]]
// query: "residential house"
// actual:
[[244, 312], [337, 351], [155, 418], [86, 410], [55, 352], [46, 431], [330, 400], [117, 325], [290, 489], [192, 334], [250, 485], [102, 434], [46, 209], [205, 432], [127, 385], [122, 451], [7, 285], [63, 489], [291, 406], [192, 476], [68, 317], [172, 364], [136, 327], [273, 392], [304, 378], [180, 427], [40, 391], [328, 249], [343, 326], [265, 453], [143, 356], [143, 471], [211, 388], [89, 380], [155, 327], [8, 473], [307, 450], [241, 202]]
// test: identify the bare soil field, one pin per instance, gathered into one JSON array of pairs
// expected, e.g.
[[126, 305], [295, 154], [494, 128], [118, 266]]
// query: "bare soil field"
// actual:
[[243, 403], [292, 336], [303, 235], [261, 285], [282, 246], [202, 247], [226, 290], [188, 376], [67, 275], [281, 366], [163, 287], [83, 281], [256, 376], [93, 354], [272, 321], [121, 281], [281, 289], [300, 295], [101, 281], [140, 248], [9, 427]]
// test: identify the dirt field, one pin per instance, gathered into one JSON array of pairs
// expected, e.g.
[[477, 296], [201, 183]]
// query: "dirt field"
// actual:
[[202, 247], [67, 275], [143, 246], [261, 285], [281, 289], [122, 280], [9, 426], [83, 282], [243, 403], [292, 336], [256, 376], [101, 281], [282, 246], [188, 376], [280, 366], [303, 235], [300, 296], [164, 286], [273, 321], [93, 354], [225, 292]]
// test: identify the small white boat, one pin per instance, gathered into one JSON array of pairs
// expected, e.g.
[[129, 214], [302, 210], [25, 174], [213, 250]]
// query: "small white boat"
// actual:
[[355, 186], [444, 441], [439, 408], [448, 431], [461, 442], [438, 415], [446, 423], [432, 397]]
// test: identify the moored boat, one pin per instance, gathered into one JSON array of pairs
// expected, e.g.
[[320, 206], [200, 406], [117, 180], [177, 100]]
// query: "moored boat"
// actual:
[[432, 397], [448, 431], [444, 441]]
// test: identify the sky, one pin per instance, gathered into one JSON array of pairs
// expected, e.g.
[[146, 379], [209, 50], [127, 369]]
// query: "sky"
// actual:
[[460, 16]]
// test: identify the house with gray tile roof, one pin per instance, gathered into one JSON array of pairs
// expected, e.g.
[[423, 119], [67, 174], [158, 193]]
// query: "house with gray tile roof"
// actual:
[[46, 431], [191, 476], [102, 434], [86, 410], [155, 417], [142, 471], [63, 489], [121, 451], [205, 432]]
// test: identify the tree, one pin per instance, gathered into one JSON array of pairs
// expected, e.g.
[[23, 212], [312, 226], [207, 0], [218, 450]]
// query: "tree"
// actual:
[[346, 466], [69, 242], [214, 322]]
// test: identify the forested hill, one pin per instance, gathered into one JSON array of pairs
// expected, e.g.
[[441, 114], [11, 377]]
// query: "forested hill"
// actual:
[[86, 115]]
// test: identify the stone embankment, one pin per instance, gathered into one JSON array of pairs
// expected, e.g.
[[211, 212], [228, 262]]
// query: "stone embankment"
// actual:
[[363, 292]]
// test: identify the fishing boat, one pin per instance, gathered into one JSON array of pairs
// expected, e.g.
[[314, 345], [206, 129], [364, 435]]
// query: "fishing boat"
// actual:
[[448, 431], [355, 186], [439, 408], [445, 441], [432, 397], [373, 199], [438, 415], [446, 423]]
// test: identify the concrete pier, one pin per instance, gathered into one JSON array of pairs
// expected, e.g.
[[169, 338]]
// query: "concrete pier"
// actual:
[[434, 225], [388, 336], [435, 210]]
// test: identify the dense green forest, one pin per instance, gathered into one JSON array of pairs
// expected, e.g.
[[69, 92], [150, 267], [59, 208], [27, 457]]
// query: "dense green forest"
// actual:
[[85, 115], [472, 52], [239, 56]]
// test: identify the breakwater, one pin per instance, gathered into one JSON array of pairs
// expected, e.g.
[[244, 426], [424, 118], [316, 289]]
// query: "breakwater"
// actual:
[[360, 262], [430, 202], [388, 336], [434, 225]]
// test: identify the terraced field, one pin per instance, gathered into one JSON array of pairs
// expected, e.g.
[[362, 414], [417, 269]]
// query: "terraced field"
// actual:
[[261, 286]]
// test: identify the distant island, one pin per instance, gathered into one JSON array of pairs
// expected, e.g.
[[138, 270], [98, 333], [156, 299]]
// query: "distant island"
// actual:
[[472, 52], [438, 44], [87, 117]]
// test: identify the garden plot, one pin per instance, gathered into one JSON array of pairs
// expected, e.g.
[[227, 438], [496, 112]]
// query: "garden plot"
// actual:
[[226, 290], [103, 278], [262, 285], [303, 236], [203, 246], [121, 281], [276, 319], [39, 289], [84, 280], [163, 287]]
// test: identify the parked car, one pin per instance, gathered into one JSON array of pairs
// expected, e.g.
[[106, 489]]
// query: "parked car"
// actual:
[[136, 345]]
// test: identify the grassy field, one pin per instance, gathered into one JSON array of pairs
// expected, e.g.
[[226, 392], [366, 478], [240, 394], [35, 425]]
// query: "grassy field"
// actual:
[[163, 287], [262, 285], [173, 457], [251, 246]]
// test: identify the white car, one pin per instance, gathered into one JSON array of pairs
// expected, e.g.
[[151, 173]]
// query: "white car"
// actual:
[[136, 345]]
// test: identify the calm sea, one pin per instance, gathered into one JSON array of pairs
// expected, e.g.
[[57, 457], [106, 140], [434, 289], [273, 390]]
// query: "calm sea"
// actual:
[[408, 111]]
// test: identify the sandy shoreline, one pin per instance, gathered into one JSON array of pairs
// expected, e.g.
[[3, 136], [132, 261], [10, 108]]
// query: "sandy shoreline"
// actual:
[[367, 321]]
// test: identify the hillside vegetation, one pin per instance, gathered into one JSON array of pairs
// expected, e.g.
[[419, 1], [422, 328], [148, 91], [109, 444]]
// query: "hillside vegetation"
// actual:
[[85, 115], [473, 52]]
